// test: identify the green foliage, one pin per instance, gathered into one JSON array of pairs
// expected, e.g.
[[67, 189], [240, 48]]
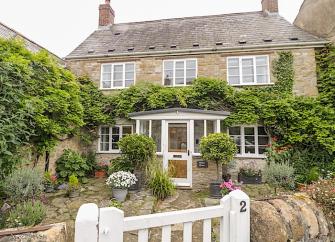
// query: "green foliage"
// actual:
[[120, 164], [279, 175], [23, 184], [283, 71], [28, 213], [138, 150], [326, 74], [160, 182], [73, 183], [91, 161], [116, 204], [71, 163], [219, 148]]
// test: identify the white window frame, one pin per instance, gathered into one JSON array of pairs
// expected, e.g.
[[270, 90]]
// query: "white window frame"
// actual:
[[240, 58], [112, 74], [247, 155], [112, 151], [174, 72], [139, 131]]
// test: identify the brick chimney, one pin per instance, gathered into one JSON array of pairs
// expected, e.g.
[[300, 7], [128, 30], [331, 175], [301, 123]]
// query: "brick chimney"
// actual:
[[106, 14], [270, 6]]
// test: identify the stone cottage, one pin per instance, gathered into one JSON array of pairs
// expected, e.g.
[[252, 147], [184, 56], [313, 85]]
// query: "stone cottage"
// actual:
[[238, 47]]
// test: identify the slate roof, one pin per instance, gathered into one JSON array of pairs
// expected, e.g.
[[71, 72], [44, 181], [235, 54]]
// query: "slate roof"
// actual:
[[9, 33], [227, 31]]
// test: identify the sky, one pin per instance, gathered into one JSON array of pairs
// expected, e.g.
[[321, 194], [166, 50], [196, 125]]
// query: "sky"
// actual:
[[61, 25]]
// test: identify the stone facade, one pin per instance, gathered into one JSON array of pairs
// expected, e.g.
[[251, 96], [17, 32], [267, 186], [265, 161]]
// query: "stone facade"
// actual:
[[209, 65]]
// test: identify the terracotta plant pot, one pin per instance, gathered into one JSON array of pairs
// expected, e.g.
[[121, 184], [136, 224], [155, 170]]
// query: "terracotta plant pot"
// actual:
[[100, 174]]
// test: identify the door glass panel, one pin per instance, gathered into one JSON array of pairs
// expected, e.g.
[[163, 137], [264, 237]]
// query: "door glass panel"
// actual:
[[177, 137], [198, 134], [178, 168]]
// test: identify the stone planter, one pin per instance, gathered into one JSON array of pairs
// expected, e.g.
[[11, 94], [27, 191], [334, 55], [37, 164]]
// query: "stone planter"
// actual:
[[214, 189], [138, 185], [100, 174], [120, 194], [249, 179]]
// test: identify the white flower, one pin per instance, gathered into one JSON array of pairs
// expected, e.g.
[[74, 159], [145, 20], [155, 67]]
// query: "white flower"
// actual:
[[121, 179]]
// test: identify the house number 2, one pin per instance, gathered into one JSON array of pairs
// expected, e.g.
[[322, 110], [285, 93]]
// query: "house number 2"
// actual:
[[243, 205]]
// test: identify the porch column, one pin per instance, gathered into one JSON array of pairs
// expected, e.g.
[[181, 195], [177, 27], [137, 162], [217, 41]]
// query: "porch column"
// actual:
[[218, 126], [137, 126]]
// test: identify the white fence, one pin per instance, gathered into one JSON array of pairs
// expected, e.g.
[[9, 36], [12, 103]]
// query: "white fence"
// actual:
[[109, 224]]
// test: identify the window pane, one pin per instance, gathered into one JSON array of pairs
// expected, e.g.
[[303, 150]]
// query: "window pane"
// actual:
[[168, 65], [234, 131], [233, 62], [237, 139], [261, 70], [129, 75], [126, 130], [234, 71], [115, 130], [247, 62], [107, 68], [210, 126], [189, 80], [261, 60], [261, 131], [156, 133], [248, 79], [128, 83], [118, 68], [191, 64], [180, 73], [249, 140], [248, 71], [144, 127], [261, 149], [190, 73], [262, 79], [179, 64], [104, 139], [130, 67], [106, 76], [117, 76], [177, 137], [168, 76], [179, 81], [263, 140], [249, 131], [234, 80], [106, 84], [117, 84], [198, 134], [250, 149]]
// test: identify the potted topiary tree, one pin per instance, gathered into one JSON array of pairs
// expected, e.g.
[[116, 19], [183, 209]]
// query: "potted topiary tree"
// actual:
[[137, 150], [218, 148]]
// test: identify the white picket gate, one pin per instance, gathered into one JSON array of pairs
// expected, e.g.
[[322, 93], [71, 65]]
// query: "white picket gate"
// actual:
[[109, 224]]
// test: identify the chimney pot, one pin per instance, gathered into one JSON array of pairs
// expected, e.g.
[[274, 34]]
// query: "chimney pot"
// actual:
[[269, 6], [106, 14]]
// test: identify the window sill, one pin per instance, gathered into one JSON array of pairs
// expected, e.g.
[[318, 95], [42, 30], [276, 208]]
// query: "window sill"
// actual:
[[109, 152], [252, 84], [114, 88], [251, 156]]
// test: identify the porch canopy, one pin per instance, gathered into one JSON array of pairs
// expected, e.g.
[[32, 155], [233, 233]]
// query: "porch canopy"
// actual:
[[200, 123]]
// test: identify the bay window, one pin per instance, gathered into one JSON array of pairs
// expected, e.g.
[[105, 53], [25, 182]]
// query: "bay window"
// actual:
[[203, 128], [110, 136], [248, 70], [153, 129], [250, 140], [179, 72], [117, 75]]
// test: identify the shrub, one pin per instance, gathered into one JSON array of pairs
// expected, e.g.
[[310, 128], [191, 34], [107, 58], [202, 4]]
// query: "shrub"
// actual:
[[73, 183], [138, 149], [120, 164], [323, 192], [29, 213], [219, 148], [91, 161], [71, 163], [23, 184], [160, 182], [279, 175]]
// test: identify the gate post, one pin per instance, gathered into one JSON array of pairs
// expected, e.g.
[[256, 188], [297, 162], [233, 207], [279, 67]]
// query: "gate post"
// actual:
[[111, 225], [86, 227], [239, 217]]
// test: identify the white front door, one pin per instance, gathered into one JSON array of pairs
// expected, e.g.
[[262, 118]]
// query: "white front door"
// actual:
[[177, 153]]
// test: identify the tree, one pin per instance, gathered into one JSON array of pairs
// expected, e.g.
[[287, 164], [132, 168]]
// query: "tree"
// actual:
[[219, 148]]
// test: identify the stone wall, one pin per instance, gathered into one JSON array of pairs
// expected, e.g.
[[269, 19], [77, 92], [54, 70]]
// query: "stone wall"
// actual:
[[290, 218], [209, 65]]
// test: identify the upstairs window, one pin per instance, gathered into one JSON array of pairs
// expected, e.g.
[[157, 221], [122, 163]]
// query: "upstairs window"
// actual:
[[117, 76], [179, 72], [251, 141], [248, 70]]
